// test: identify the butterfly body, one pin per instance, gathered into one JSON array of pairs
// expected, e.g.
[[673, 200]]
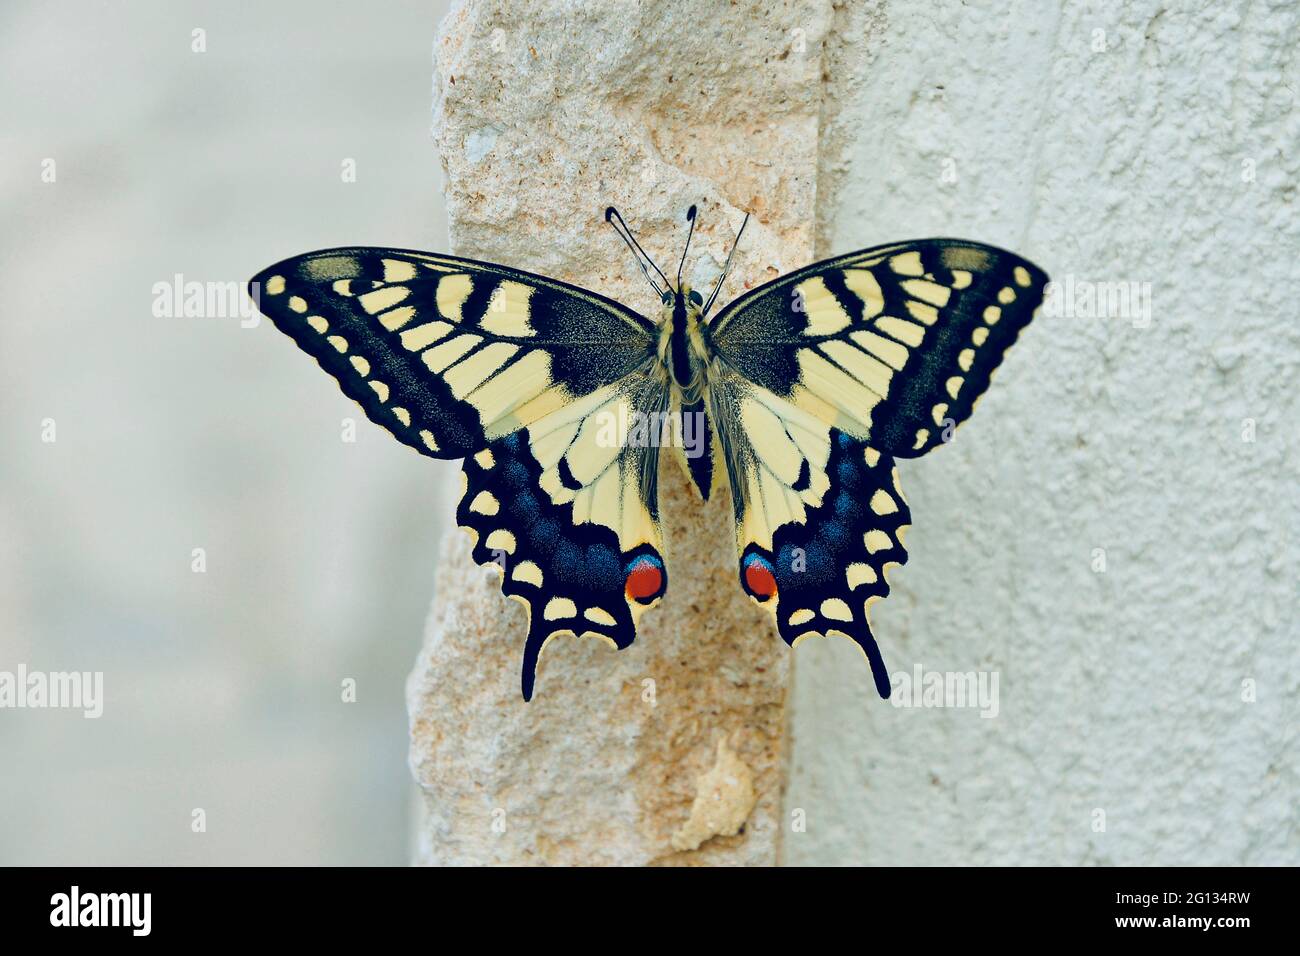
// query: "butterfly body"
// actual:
[[798, 398], [685, 357]]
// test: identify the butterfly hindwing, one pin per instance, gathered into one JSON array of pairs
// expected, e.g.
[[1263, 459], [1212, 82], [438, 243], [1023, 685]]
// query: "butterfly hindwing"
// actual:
[[449, 354], [568, 510], [819, 516], [893, 344], [822, 575]]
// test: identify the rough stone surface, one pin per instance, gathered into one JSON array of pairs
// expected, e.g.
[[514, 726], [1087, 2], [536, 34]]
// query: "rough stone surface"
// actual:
[[547, 112], [724, 798], [1114, 140]]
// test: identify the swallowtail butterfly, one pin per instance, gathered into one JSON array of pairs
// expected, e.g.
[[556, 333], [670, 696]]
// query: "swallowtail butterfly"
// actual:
[[798, 397]]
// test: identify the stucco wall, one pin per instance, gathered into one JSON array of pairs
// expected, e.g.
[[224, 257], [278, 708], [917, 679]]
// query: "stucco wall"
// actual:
[[1109, 141]]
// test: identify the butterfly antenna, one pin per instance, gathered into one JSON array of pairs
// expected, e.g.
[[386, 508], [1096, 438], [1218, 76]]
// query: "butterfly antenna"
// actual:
[[690, 217], [725, 269], [614, 219]]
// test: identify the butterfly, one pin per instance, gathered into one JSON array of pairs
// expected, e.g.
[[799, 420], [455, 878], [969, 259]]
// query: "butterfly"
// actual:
[[796, 398]]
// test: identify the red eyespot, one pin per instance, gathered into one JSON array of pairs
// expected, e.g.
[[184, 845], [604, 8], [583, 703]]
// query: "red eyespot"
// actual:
[[760, 582], [645, 579]]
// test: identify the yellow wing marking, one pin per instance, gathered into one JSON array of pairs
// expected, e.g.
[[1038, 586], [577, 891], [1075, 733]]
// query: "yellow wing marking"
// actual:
[[508, 310], [452, 292], [473, 370], [825, 315]]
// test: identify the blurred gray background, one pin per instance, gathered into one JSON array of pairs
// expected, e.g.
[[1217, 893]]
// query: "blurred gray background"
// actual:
[[223, 688]]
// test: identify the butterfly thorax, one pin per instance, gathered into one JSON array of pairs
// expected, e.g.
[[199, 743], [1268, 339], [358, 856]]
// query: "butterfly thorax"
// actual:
[[683, 346]]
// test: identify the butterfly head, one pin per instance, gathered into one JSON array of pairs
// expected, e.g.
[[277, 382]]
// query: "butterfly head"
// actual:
[[689, 299]]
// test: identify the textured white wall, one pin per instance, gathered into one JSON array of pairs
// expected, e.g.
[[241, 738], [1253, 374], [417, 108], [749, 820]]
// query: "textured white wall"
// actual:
[[1168, 158]]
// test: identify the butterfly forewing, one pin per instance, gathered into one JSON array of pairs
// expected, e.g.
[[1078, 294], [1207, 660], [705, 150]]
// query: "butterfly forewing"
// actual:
[[893, 345], [449, 354]]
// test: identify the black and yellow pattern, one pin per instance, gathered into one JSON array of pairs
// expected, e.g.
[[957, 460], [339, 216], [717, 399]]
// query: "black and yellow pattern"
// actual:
[[820, 575], [519, 375], [449, 354], [574, 575], [568, 508], [894, 344], [828, 374], [809, 388]]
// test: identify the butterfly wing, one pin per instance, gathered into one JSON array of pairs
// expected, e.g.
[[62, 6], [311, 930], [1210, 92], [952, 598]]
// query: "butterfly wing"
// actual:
[[449, 354], [827, 375], [819, 516], [533, 382], [893, 344], [568, 509]]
